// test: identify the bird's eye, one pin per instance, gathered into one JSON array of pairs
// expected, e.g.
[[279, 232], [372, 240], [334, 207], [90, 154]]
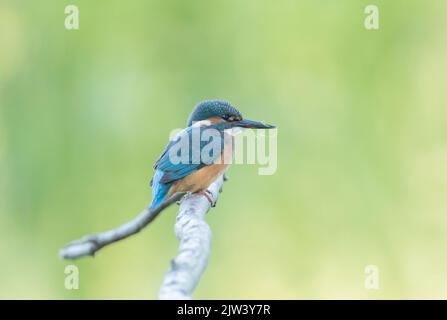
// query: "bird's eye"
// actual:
[[231, 119]]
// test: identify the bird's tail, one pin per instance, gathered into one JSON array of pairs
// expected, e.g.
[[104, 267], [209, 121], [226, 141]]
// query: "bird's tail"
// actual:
[[159, 191]]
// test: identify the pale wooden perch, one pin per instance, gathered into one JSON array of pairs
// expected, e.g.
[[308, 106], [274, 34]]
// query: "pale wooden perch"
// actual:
[[194, 235], [191, 229], [88, 245]]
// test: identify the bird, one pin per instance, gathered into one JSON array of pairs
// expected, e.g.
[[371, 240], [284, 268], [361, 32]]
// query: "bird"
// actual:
[[180, 177], [198, 167]]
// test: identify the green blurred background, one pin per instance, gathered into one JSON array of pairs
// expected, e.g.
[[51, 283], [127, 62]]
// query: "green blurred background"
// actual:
[[362, 153]]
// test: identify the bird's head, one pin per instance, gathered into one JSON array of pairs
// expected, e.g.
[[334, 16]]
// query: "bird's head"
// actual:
[[221, 111]]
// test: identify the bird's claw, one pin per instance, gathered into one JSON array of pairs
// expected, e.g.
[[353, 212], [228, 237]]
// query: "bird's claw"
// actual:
[[185, 195], [209, 196], [225, 178]]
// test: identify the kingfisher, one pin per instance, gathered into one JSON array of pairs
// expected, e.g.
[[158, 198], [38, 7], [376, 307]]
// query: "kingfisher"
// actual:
[[196, 172]]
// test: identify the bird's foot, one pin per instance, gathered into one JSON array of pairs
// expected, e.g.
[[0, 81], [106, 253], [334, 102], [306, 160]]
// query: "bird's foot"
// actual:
[[225, 178], [209, 196], [184, 195]]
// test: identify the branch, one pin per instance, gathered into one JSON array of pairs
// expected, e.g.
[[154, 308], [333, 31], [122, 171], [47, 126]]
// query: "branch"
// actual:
[[88, 245], [191, 229], [194, 235]]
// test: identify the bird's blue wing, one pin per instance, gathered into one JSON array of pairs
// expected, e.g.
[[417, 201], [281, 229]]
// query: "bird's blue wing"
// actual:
[[182, 156]]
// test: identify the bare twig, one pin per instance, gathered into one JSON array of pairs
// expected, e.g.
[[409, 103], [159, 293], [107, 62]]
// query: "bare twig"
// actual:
[[195, 242], [88, 245], [191, 229]]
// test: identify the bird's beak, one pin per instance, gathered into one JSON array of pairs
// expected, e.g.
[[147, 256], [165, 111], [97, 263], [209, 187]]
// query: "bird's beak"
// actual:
[[245, 123]]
